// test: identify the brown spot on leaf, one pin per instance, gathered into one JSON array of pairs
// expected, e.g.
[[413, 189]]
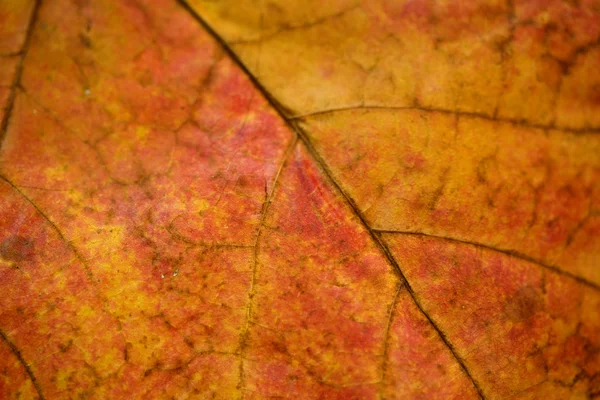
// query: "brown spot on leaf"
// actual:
[[85, 40], [279, 347], [523, 305], [16, 248]]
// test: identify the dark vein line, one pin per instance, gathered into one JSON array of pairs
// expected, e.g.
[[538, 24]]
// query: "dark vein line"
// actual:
[[388, 254], [280, 109], [511, 253], [28, 369], [55, 228], [18, 72], [304, 26], [243, 342], [86, 267], [11, 54], [386, 341], [512, 121], [273, 102]]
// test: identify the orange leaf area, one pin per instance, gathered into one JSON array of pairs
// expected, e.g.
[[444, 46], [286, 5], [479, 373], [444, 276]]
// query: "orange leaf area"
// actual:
[[358, 200], [15, 17]]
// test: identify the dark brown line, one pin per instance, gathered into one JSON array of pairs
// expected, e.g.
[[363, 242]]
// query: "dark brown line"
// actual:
[[516, 122], [278, 107], [252, 290], [388, 254], [304, 26], [322, 165], [441, 334], [390, 320], [19, 71], [55, 228], [28, 369], [511, 253]]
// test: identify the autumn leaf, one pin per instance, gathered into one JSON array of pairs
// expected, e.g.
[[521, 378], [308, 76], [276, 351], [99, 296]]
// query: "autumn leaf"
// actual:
[[345, 200]]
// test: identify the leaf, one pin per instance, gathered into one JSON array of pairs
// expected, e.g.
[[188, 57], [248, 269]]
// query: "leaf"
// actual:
[[287, 199]]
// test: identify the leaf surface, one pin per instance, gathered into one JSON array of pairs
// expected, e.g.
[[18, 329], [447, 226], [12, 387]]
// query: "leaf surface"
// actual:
[[286, 199]]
